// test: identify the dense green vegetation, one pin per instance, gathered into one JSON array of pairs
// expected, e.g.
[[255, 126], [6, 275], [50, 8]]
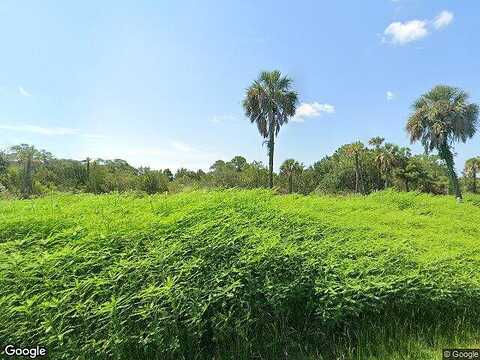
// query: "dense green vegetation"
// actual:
[[375, 167], [240, 274]]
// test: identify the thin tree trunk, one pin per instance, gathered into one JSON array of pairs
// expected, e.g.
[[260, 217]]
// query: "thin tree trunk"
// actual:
[[27, 177], [357, 174], [88, 168], [290, 183], [271, 148], [407, 185], [447, 155]]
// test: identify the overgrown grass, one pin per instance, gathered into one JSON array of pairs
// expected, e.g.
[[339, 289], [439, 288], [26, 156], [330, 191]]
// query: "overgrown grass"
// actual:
[[240, 275]]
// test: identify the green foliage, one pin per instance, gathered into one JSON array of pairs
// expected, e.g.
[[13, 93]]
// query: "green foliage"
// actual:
[[440, 118], [269, 103], [347, 170], [235, 274], [153, 182]]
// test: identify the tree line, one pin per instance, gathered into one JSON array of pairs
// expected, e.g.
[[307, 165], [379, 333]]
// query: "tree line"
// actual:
[[440, 118], [353, 168]]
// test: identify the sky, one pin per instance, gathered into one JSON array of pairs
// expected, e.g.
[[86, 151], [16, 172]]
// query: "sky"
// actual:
[[160, 83]]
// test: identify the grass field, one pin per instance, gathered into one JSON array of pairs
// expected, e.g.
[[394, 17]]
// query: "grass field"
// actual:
[[241, 275]]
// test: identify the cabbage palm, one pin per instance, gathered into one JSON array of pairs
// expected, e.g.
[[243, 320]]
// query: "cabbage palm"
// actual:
[[290, 168], [472, 167], [355, 150], [386, 159], [440, 118], [269, 103]]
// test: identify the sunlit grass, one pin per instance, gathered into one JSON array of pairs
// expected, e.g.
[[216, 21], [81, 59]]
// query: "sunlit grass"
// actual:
[[240, 274]]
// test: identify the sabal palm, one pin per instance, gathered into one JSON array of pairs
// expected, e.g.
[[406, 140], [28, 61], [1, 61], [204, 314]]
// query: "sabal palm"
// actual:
[[376, 141], [472, 167], [290, 168], [269, 103], [386, 159], [440, 118], [355, 150]]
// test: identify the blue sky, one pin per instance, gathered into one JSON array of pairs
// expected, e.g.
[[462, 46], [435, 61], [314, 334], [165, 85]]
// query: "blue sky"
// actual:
[[161, 83]]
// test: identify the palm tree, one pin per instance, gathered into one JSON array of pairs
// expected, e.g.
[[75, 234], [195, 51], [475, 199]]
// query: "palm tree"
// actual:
[[291, 168], [472, 167], [269, 103], [87, 166], [27, 155], [440, 118], [376, 142], [355, 150], [386, 159]]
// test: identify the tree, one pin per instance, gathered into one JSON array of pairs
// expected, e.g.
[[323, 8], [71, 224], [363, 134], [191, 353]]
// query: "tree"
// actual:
[[440, 118], [153, 181], [87, 167], [472, 167], [168, 173], [403, 169], [386, 159], [239, 163], [269, 103], [3, 163], [26, 155], [291, 168], [355, 150], [376, 142]]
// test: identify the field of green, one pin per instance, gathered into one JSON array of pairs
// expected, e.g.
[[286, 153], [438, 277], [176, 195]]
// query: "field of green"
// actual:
[[241, 275]]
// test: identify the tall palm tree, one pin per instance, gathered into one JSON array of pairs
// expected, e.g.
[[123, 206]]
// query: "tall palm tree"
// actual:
[[386, 159], [269, 103], [440, 118], [291, 168], [472, 167], [355, 150]]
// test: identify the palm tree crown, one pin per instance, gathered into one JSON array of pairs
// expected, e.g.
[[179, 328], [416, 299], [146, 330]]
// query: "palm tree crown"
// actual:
[[440, 118], [269, 103]]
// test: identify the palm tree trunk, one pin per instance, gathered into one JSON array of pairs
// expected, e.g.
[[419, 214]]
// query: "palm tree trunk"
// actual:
[[290, 183], [357, 174], [27, 177], [447, 155], [271, 147]]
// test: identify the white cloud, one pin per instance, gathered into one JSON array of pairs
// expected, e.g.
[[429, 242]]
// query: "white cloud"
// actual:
[[23, 91], [408, 31], [310, 110], [443, 19], [40, 130], [402, 33], [390, 95]]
